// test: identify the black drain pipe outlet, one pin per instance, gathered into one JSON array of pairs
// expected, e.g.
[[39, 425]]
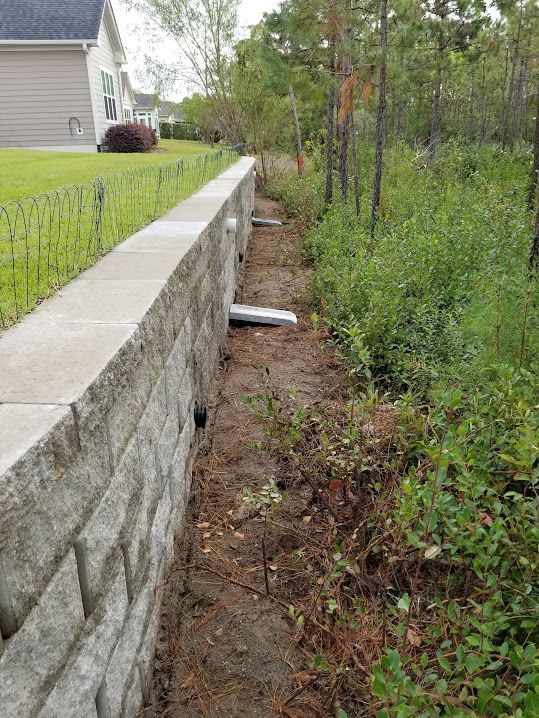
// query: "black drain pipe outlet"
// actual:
[[200, 416]]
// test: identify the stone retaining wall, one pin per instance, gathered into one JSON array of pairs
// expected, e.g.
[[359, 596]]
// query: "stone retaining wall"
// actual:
[[97, 437]]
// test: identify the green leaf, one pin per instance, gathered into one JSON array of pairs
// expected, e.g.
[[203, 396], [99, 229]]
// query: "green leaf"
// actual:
[[379, 687], [404, 602]]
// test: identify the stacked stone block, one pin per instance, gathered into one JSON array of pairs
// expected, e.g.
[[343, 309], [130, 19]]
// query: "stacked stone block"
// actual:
[[97, 439]]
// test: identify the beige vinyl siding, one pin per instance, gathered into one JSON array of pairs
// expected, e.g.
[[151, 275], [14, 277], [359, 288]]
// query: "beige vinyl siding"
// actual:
[[39, 91], [102, 57]]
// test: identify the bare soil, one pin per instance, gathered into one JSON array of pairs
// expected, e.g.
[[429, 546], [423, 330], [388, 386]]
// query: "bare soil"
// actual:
[[227, 650]]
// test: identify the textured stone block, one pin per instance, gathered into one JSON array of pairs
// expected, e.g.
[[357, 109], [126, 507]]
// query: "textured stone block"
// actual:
[[159, 529], [175, 370], [110, 525], [178, 470], [146, 651], [34, 656], [127, 410], [38, 443], [125, 657], [34, 357], [157, 334], [186, 398], [167, 445], [149, 432], [41, 535], [137, 544], [133, 699], [75, 692]]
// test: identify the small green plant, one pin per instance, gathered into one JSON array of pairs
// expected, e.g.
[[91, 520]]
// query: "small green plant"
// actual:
[[265, 501]]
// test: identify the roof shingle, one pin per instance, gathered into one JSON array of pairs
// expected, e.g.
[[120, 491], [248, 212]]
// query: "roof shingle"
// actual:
[[50, 19]]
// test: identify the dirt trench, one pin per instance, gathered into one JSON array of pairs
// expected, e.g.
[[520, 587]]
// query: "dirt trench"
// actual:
[[226, 650]]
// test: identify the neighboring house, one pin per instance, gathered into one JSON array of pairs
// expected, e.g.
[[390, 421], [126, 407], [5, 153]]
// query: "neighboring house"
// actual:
[[60, 62], [170, 112], [128, 98], [146, 110]]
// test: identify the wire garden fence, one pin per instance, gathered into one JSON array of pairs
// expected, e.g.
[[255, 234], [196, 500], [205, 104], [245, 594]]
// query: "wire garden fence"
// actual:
[[47, 240]]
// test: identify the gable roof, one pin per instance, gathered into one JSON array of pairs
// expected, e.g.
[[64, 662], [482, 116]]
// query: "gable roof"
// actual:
[[171, 109], [50, 20], [126, 84], [146, 101]]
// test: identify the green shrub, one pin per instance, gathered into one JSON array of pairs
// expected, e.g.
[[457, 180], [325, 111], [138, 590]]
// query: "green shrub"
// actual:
[[442, 289], [166, 130]]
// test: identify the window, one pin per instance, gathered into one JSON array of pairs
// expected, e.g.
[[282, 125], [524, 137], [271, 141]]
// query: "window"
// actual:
[[127, 116], [108, 95]]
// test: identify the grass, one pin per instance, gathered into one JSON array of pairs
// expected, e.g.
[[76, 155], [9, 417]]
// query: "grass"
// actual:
[[47, 239], [27, 173]]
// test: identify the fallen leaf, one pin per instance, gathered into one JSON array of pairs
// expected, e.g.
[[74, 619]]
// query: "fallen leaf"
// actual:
[[335, 486], [273, 568], [432, 552], [205, 525], [486, 520], [307, 519], [206, 535], [239, 535], [219, 631], [206, 549], [413, 638]]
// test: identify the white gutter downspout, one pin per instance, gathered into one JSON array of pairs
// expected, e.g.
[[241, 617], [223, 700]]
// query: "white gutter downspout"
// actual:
[[93, 99]]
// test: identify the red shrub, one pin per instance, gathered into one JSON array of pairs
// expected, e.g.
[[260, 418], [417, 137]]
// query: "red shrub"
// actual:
[[129, 138]]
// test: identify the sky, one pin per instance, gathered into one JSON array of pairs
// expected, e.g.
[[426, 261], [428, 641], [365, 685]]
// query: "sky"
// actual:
[[137, 42]]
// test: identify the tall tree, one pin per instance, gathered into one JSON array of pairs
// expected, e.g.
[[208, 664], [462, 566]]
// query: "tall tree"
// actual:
[[535, 168], [204, 31], [451, 25], [381, 118]]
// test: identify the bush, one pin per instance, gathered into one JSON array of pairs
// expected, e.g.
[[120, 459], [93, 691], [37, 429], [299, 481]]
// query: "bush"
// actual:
[[166, 129], [130, 138], [185, 131]]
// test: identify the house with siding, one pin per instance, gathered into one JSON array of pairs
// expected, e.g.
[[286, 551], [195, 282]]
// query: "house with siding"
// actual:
[[147, 110], [60, 74], [128, 97]]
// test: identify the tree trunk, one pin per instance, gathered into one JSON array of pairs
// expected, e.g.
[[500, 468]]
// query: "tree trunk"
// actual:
[[516, 105], [483, 120], [344, 137], [435, 120], [534, 255], [355, 169], [535, 169], [471, 115], [297, 131], [330, 136], [380, 119], [514, 62], [499, 131], [344, 121]]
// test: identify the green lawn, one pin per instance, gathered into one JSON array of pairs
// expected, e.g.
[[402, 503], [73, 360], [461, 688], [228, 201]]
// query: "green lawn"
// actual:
[[25, 173], [88, 204]]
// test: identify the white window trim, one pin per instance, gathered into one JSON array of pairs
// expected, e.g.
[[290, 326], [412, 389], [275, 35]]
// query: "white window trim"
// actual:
[[112, 97]]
